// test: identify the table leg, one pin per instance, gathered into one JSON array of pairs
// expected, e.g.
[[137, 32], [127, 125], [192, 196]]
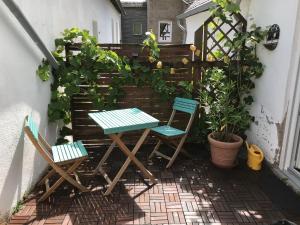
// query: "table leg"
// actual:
[[131, 157], [106, 155]]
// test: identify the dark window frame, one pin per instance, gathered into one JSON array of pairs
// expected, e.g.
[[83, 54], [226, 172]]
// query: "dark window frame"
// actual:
[[141, 29]]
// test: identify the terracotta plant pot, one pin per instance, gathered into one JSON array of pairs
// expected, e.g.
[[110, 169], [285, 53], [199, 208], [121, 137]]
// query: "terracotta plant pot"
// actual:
[[223, 154]]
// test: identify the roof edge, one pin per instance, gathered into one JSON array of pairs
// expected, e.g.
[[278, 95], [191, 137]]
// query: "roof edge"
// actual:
[[134, 5], [199, 9], [118, 6]]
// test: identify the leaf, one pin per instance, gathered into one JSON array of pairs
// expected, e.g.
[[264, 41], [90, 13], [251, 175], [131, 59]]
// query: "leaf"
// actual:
[[152, 36], [127, 68], [248, 100], [61, 141], [66, 131], [43, 71], [232, 7], [72, 89], [59, 42]]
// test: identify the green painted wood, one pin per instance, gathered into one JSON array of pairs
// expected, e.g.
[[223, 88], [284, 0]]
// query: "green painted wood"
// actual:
[[55, 154], [32, 127], [67, 152], [71, 151], [82, 148], [168, 131], [63, 151], [185, 105], [117, 121], [75, 150]]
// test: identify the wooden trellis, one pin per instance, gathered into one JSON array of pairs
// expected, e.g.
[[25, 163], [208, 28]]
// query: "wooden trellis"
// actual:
[[211, 37]]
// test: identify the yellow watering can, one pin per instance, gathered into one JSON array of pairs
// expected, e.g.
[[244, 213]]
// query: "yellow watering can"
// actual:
[[255, 156]]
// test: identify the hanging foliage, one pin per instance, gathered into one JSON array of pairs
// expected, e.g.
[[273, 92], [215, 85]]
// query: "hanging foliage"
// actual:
[[85, 68]]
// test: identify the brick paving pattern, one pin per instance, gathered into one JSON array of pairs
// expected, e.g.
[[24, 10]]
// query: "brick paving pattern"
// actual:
[[192, 192]]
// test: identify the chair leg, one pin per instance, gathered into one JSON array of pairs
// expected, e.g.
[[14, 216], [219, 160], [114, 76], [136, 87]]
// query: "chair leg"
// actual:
[[183, 151], [47, 176], [64, 176], [130, 158], [176, 152], [155, 149]]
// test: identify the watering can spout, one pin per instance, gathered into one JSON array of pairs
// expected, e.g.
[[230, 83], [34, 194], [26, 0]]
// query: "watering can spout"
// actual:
[[255, 156]]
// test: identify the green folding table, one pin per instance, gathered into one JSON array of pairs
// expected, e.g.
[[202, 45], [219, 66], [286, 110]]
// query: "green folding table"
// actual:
[[115, 123]]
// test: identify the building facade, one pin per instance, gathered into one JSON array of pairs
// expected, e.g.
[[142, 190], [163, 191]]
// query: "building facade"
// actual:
[[23, 93], [134, 21], [162, 20]]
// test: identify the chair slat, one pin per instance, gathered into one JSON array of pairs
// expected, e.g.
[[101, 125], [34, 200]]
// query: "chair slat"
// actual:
[[76, 149], [56, 157], [64, 153], [82, 148], [67, 152], [168, 131], [71, 151], [32, 127], [185, 105]]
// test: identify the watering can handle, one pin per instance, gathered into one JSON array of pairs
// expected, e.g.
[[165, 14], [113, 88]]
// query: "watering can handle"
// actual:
[[247, 145], [262, 154]]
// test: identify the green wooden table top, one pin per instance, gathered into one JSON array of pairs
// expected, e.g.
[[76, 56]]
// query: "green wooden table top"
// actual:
[[117, 121]]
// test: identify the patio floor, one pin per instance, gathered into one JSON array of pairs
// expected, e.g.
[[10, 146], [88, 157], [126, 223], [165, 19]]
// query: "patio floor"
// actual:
[[192, 192]]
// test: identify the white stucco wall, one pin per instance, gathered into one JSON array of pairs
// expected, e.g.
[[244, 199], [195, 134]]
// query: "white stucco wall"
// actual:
[[271, 102], [22, 93], [193, 23]]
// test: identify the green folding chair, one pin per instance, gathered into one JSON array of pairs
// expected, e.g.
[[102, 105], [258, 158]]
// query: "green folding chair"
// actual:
[[171, 136], [68, 155]]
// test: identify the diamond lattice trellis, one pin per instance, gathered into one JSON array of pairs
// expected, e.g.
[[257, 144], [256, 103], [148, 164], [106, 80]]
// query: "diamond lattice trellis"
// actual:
[[211, 37]]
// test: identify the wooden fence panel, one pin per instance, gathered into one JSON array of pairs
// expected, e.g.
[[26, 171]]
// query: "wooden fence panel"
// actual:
[[143, 97]]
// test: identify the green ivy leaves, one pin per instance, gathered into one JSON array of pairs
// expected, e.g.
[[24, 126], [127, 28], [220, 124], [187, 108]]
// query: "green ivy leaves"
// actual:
[[43, 71], [152, 44], [83, 67]]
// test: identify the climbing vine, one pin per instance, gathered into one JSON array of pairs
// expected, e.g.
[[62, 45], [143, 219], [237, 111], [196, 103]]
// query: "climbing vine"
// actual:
[[85, 67], [225, 92]]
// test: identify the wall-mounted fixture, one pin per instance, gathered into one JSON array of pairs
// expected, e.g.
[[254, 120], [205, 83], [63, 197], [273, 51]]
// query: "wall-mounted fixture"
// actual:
[[272, 37]]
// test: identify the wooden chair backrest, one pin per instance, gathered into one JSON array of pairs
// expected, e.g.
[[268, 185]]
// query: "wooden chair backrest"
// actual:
[[37, 140], [184, 105]]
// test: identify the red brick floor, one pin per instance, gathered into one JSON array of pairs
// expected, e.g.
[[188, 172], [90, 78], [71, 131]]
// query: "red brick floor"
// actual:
[[192, 192]]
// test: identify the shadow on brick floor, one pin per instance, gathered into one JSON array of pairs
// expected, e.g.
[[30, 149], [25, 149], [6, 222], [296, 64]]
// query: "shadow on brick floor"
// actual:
[[193, 191]]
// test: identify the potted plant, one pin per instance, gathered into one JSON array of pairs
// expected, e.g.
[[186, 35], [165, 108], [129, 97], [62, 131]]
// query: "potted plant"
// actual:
[[225, 92], [226, 115]]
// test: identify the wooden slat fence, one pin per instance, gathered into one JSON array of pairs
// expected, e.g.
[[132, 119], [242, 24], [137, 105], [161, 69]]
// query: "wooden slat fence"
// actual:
[[143, 97]]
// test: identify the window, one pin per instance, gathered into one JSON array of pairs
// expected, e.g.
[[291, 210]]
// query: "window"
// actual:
[[165, 31], [112, 31], [137, 29], [117, 33]]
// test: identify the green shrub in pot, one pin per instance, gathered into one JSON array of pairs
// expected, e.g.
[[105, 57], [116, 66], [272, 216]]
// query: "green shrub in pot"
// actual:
[[226, 113], [225, 92]]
